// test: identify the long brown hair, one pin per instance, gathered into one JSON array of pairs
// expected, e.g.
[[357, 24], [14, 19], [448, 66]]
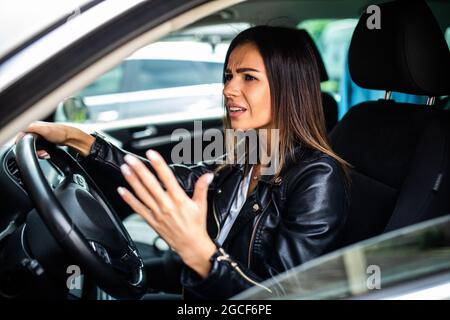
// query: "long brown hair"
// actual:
[[294, 82]]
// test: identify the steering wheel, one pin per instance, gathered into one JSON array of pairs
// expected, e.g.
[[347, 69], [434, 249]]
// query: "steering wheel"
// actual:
[[81, 220]]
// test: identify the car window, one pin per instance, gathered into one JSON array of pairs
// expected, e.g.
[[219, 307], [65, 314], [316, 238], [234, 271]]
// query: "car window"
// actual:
[[180, 74], [158, 74], [110, 82], [332, 37], [399, 257]]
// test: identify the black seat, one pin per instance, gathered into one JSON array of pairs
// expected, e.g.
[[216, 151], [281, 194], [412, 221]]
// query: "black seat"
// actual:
[[330, 110], [400, 152], [329, 104]]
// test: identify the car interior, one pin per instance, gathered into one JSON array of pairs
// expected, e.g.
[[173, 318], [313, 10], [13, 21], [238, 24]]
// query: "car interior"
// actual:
[[398, 150], [399, 154]]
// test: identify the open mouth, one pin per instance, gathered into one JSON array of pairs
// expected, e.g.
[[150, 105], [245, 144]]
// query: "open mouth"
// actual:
[[235, 110]]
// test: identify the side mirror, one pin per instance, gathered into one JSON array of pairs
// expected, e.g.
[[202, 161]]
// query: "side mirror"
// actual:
[[75, 110]]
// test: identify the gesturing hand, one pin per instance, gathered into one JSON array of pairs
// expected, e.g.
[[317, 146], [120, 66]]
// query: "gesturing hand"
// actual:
[[178, 219]]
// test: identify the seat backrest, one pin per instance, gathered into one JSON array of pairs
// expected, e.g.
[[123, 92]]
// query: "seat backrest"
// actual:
[[399, 151], [425, 192]]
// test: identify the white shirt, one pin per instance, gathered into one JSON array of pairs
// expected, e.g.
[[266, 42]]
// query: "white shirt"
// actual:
[[236, 207]]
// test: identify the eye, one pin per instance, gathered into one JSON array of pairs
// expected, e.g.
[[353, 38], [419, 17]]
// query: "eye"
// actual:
[[227, 77], [249, 77]]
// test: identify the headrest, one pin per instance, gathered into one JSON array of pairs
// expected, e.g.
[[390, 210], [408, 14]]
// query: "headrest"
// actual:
[[407, 54], [323, 72]]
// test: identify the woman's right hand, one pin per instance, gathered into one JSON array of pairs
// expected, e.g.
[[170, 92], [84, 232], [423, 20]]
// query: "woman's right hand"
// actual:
[[61, 135]]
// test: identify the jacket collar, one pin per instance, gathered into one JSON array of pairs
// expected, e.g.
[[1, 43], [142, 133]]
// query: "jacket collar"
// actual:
[[234, 174]]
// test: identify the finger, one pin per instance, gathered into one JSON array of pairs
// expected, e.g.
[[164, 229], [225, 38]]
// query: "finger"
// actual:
[[43, 154], [19, 136], [149, 181], [137, 206], [139, 189], [165, 174], [39, 127], [144, 212], [201, 189]]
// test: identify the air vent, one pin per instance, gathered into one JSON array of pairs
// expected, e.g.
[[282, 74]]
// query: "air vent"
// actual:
[[13, 169]]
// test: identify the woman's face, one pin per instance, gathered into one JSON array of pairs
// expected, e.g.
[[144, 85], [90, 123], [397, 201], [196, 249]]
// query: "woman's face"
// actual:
[[246, 89]]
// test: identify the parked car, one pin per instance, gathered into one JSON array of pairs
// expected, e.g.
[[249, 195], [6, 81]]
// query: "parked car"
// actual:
[[166, 77], [399, 222]]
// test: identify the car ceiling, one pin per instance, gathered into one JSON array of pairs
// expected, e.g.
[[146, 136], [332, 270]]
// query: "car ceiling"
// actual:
[[291, 12]]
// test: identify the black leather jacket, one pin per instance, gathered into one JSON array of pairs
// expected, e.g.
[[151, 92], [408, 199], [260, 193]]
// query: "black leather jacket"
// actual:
[[283, 223]]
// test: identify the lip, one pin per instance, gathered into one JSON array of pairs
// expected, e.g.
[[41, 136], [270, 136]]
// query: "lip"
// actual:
[[235, 113]]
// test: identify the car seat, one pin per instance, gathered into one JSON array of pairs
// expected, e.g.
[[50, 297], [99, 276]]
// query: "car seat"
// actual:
[[399, 151]]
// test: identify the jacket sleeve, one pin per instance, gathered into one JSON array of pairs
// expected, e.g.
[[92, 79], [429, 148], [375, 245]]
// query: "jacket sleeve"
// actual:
[[104, 161], [314, 213]]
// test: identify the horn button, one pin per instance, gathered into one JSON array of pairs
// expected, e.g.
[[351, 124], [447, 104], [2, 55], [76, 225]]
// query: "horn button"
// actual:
[[89, 215]]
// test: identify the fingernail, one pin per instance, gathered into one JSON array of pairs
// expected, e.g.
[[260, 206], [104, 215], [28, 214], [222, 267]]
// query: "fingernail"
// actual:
[[121, 191], [130, 159], [43, 154], [209, 178], [125, 170], [151, 155]]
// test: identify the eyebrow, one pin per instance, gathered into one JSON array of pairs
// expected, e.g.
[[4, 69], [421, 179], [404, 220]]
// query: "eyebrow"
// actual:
[[240, 70]]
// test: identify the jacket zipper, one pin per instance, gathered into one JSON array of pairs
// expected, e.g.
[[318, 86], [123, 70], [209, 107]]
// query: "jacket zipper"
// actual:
[[225, 257], [252, 239], [216, 219]]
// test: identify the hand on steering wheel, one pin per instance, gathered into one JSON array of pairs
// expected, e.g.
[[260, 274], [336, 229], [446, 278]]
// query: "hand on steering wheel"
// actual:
[[80, 218]]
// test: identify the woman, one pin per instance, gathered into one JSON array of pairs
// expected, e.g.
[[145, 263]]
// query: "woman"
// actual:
[[232, 226]]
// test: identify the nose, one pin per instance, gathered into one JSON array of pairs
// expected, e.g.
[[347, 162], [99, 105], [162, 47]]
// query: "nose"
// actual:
[[230, 89]]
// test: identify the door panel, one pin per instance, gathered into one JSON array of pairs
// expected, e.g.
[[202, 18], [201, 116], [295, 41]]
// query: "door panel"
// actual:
[[138, 139]]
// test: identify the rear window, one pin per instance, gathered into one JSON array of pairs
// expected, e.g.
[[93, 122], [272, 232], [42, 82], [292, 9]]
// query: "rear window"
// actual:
[[332, 38], [447, 36]]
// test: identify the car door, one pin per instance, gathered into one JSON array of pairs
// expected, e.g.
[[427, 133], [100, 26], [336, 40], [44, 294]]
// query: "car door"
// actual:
[[412, 263]]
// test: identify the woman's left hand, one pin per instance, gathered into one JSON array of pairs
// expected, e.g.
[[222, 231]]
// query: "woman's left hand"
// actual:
[[178, 219]]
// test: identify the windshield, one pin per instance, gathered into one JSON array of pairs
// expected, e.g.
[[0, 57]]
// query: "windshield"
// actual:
[[379, 263], [28, 18]]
